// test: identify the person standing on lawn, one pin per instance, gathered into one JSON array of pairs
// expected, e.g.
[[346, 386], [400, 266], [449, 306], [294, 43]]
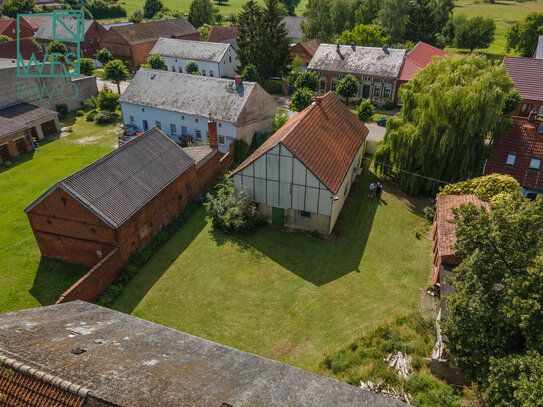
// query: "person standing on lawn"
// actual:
[[378, 190], [373, 187]]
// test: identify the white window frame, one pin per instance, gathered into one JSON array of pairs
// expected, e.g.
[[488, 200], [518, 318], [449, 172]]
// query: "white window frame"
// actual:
[[173, 129]]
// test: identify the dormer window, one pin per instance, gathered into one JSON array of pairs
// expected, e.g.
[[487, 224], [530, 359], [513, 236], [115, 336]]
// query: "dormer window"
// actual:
[[511, 159]]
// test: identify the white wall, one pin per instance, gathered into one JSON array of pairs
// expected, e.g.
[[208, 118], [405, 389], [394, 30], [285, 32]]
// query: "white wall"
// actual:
[[280, 180], [226, 131], [222, 69]]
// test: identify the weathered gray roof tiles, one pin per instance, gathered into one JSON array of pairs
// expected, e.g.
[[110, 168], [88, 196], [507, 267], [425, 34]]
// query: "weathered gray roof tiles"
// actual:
[[189, 94], [358, 60], [46, 29], [18, 117], [195, 50], [136, 363], [294, 26], [117, 185]]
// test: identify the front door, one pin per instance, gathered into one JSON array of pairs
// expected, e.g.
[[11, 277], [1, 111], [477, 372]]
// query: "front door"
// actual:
[[21, 145], [278, 216], [4, 152], [145, 125], [366, 92], [34, 133]]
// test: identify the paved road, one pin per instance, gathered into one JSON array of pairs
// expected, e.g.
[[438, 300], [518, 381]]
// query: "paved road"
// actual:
[[376, 133], [103, 84]]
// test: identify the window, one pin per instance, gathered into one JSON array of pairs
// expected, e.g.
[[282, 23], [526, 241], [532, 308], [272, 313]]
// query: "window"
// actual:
[[198, 134], [143, 109], [383, 81], [377, 91], [339, 76], [524, 108], [220, 124], [204, 72], [334, 85], [180, 70], [91, 40], [535, 163], [306, 214], [323, 85], [173, 129], [131, 119], [210, 73], [511, 159], [145, 125], [195, 120], [230, 59], [184, 130], [386, 92], [182, 117], [173, 68], [158, 124], [367, 78], [221, 139]]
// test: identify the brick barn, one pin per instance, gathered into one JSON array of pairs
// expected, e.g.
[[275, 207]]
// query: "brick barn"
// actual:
[[119, 201]]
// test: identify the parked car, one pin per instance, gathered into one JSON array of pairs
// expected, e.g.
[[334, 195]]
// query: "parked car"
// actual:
[[383, 121]]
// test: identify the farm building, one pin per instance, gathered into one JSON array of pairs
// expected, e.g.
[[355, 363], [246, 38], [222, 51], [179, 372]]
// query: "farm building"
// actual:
[[8, 27], [527, 73], [306, 50], [301, 176], [133, 42], [376, 69], [93, 34], [227, 35], [21, 126], [214, 59], [239, 108], [81, 354], [294, 27], [519, 153]]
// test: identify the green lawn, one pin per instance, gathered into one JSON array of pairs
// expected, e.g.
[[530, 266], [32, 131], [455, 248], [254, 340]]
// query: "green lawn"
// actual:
[[504, 12], [25, 278], [288, 296]]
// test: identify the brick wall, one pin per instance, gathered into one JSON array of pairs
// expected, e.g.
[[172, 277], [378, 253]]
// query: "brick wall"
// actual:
[[66, 230], [10, 140], [96, 280], [208, 172]]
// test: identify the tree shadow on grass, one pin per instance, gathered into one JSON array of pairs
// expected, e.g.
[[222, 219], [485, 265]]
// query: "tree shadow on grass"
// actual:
[[161, 261], [53, 278], [320, 260]]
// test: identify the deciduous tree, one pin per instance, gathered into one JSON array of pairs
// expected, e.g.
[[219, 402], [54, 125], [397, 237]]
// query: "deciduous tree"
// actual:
[[11, 8], [477, 32], [522, 36], [250, 73], [192, 68], [347, 87], [307, 79], [318, 24], [365, 35], [202, 12], [392, 18], [422, 24], [365, 110], [156, 62], [497, 309], [301, 99], [290, 5], [104, 56], [116, 72], [4, 38], [151, 7], [451, 110], [86, 66]]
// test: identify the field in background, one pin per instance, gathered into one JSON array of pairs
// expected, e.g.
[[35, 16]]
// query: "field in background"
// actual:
[[27, 280]]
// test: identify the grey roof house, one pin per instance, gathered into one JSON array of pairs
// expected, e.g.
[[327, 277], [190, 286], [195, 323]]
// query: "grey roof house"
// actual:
[[214, 59], [376, 69], [181, 104], [100, 357], [294, 27]]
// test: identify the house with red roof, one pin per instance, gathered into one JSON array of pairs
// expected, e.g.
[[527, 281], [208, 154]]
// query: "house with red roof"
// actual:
[[227, 35], [306, 50], [9, 27], [27, 48], [519, 153], [301, 176], [527, 74], [419, 57]]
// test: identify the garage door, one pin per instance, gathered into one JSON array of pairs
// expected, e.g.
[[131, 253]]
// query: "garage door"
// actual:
[[49, 128]]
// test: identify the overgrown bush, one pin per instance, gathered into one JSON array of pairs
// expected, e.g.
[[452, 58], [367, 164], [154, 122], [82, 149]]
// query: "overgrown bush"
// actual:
[[105, 117], [100, 9], [229, 213], [273, 86], [91, 103], [8, 164], [61, 108], [485, 187], [91, 115], [80, 113], [107, 100], [280, 118], [259, 139], [241, 151], [429, 213]]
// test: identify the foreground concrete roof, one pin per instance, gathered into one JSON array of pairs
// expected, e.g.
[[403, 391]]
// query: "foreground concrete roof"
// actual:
[[131, 362]]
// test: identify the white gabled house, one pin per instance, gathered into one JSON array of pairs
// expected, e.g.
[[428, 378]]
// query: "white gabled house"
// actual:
[[182, 104], [301, 176], [214, 59]]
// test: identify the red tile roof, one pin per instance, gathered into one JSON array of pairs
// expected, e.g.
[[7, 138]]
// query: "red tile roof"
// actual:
[[8, 49], [21, 385], [326, 137], [527, 73], [524, 140], [35, 21], [311, 45], [6, 25], [445, 229], [219, 34], [419, 57]]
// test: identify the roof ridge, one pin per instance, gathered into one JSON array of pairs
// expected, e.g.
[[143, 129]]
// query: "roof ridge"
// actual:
[[44, 377]]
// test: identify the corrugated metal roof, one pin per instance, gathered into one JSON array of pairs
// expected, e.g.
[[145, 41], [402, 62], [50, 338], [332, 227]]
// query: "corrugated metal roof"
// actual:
[[527, 73], [117, 185], [190, 94], [195, 50], [325, 136], [526, 142], [358, 60]]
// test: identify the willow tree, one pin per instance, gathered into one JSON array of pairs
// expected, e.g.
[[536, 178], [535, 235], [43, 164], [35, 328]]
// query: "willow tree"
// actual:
[[452, 111]]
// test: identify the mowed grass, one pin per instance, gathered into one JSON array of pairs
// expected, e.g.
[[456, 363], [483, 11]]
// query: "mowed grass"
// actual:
[[291, 297], [504, 13], [26, 280]]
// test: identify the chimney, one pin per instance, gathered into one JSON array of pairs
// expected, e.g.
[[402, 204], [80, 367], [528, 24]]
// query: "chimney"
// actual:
[[532, 115], [337, 46], [237, 79], [212, 134], [385, 50], [353, 46]]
